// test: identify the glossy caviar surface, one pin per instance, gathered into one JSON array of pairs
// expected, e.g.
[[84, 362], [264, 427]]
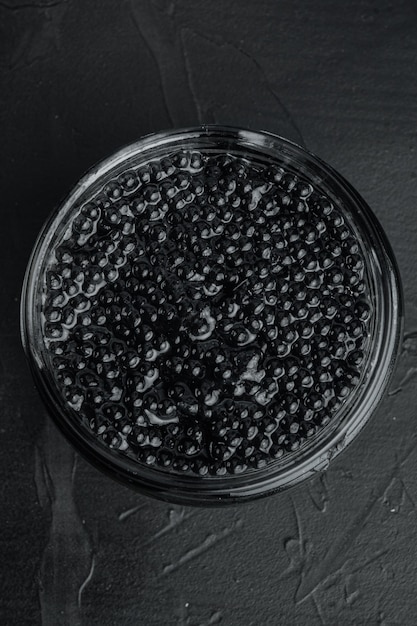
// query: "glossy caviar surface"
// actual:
[[205, 313]]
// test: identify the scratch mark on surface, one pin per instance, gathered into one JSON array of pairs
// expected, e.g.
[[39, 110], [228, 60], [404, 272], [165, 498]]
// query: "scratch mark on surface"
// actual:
[[136, 22], [40, 40], [296, 548], [74, 469], [175, 519], [335, 558], [209, 542], [87, 580], [19, 7], [278, 100], [394, 495], [215, 618], [264, 83], [201, 117], [161, 35], [125, 514], [43, 482], [318, 609], [372, 559], [346, 474], [410, 498], [350, 596], [67, 562], [409, 344], [319, 493], [408, 350], [409, 375], [299, 529]]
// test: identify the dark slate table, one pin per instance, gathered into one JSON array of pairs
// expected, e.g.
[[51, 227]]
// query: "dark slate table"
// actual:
[[79, 79]]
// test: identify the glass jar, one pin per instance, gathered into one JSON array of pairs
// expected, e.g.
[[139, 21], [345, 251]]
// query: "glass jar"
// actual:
[[211, 315]]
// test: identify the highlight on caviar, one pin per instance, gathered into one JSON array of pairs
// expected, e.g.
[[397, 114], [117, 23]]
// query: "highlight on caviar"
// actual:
[[212, 314]]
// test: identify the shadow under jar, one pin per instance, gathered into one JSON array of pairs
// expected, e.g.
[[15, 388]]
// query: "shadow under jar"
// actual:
[[212, 315]]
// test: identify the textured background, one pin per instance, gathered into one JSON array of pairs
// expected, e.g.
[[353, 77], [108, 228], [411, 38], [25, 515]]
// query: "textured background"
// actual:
[[80, 78]]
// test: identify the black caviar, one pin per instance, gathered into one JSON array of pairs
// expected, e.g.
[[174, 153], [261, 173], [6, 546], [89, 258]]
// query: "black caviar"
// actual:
[[206, 314]]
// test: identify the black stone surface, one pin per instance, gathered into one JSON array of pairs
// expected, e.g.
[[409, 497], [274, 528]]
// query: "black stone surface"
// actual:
[[78, 81]]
